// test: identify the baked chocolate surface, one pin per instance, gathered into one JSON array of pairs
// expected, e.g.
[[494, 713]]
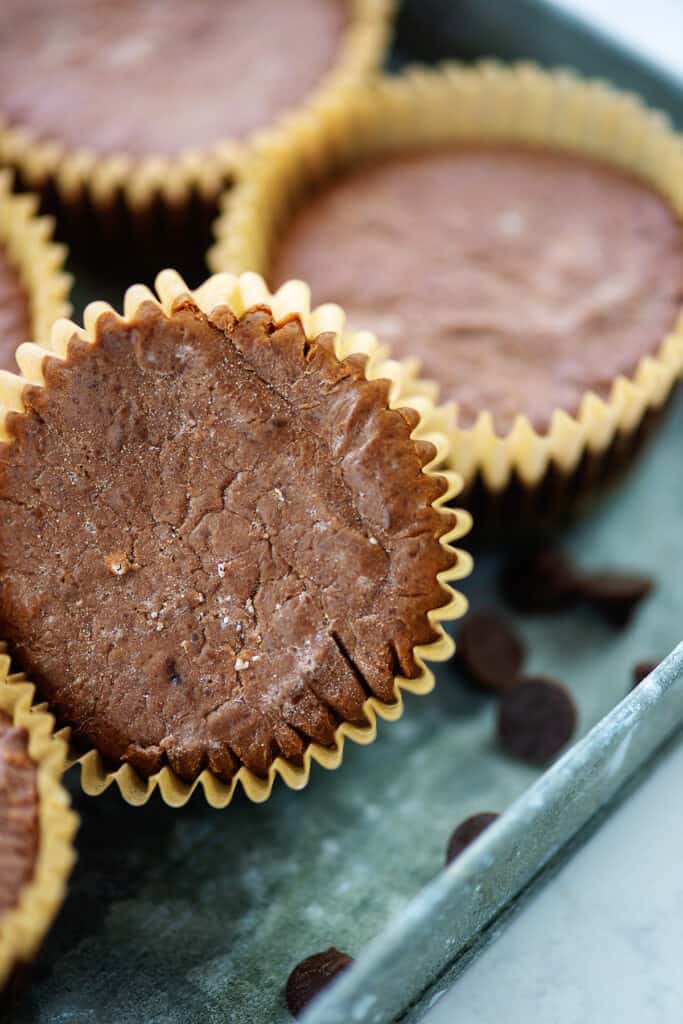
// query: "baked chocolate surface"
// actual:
[[520, 277], [14, 314], [216, 540], [19, 830], [141, 78]]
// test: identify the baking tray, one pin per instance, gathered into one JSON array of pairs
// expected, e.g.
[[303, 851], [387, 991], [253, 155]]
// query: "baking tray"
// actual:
[[196, 916], [433, 30]]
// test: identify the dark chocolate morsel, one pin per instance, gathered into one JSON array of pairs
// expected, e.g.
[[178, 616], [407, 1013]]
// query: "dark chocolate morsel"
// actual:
[[536, 719], [540, 582], [466, 832], [642, 670], [114, 102], [615, 595], [490, 651], [312, 975]]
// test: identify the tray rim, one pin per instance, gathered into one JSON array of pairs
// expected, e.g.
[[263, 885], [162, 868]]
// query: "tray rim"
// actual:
[[605, 759]]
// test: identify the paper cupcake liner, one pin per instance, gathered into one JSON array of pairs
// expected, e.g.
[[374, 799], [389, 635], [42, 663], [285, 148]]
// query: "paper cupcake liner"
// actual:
[[525, 514], [486, 102], [241, 294], [23, 928], [82, 177], [39, 261]]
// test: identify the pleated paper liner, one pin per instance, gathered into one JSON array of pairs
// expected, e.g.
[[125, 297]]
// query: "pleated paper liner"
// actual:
[[27, 241], [23, 928], [167, 203], [241, 294], [504, 474]]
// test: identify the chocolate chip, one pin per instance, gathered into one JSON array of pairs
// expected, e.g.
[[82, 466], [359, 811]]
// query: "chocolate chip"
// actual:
[[466, 832], [615, 595], [546, 581], [312, 975], [490, 651], [535, 720], [540, 582], [642, 670]]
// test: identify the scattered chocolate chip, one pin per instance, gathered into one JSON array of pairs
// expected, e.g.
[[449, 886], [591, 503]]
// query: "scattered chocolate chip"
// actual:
[[541, 582], [536, 719], [490, 651], [615, 595], [312, 975], [466, 832], [642, 670], [546, 581]]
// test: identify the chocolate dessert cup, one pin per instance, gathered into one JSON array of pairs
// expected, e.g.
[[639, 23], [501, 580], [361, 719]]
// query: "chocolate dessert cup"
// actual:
[[517, 232], [136, 116], [34, 287], [222, 539]]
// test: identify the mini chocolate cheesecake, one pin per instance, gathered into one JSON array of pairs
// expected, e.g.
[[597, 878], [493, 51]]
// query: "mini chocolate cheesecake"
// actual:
[[217, 540], [19, 828], [37, 827], [130, 77], [14, 313], [522, 278]]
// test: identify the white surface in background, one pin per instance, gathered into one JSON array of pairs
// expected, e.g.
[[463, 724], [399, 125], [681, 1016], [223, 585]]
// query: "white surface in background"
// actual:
[[603, 941], [653, 27]]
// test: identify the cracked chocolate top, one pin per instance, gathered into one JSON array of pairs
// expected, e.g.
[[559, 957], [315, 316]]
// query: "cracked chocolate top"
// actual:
[[19, 830], [143, 78], [14, 314], [521, 277], [216, 540]]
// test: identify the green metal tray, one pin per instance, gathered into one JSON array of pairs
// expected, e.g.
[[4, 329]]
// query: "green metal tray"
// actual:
[[197, 916]]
